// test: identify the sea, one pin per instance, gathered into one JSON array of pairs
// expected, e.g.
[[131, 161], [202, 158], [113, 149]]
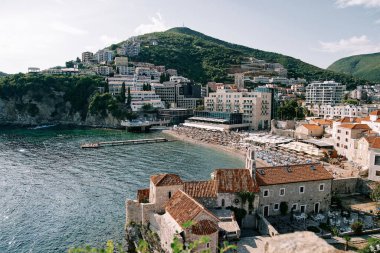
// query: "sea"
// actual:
[[55, 195]]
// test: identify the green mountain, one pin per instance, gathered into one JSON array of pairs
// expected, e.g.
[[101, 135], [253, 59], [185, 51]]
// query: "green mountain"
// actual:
[[2, 74], [365, 66], [203, 58]]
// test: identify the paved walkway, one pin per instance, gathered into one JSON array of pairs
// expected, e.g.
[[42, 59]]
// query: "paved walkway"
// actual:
[[253, 244]]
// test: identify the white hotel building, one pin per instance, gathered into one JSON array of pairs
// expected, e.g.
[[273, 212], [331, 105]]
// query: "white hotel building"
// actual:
[[255, 106], [324, 93]]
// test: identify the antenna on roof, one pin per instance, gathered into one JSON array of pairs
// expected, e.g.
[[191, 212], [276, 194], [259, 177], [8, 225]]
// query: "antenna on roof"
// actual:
[[289, 169]]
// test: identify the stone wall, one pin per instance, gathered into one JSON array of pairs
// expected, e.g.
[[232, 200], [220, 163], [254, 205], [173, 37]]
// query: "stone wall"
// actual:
[[264, 227], [345, 185], [133, 212], [351, 185]]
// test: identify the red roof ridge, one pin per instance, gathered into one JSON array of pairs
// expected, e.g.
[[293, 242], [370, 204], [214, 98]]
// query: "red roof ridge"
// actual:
[[172, 179]]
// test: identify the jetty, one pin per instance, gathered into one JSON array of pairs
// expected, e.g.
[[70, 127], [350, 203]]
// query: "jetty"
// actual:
[[120, 143]]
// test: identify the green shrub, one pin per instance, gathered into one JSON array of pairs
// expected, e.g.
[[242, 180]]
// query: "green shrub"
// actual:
[[357, 227], [313, 229]]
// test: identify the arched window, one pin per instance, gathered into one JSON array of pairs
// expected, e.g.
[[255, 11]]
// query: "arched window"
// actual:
[[169, 194]]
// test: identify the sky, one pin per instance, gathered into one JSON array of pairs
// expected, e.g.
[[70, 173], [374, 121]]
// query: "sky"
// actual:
[[47, 33]]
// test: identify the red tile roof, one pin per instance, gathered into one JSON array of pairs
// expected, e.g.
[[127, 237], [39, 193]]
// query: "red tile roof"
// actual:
[[374, 142], [377, 113], [143, 195], [235, 180], [356, 126], [200, 189], [312, 127], [346, 120], [166, 179], [204, 227], [323, 122], [184, 208], [291, 174]]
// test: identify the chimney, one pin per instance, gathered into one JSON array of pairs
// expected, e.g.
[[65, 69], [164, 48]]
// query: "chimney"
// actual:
[[250, 162]]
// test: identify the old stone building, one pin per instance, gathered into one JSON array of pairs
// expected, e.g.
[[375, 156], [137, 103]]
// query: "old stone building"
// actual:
[[302, 188], [169, 203]]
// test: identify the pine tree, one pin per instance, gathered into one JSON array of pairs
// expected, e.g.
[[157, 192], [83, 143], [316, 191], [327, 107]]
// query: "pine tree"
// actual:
[[122, 93], [129, 98], [106, 87]]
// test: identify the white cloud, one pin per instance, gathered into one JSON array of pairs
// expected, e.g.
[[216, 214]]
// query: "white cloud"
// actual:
[[61, 27], [365, 3], [353, 45], [157, 24], [108, 40]]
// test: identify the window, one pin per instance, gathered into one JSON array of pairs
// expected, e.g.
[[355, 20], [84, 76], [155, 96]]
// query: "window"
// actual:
[[337, 144], [266, 193], [169, 194], [338, 131], [302, 189], [321, 187], [276, 207], [294, 207], [208, 245], [346, 132], [377, 160], [223, 202], [282, 192], [378, 173]]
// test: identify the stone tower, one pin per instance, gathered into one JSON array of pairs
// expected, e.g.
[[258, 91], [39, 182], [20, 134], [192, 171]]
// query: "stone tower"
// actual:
[[250, 162]]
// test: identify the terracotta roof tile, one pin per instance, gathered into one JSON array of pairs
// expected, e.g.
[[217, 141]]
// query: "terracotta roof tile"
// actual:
[[323, 122], [204, 227], [291, 174], [375, 143], [200, 189], [235, 180], [377, 113], [184, 208], [166, 179], [346, 120], [312, 127], [356, 126], [366, 119], [143, 195]]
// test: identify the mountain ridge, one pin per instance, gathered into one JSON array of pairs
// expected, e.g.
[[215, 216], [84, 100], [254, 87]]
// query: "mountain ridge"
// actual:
[[204, 58], [365, 66]]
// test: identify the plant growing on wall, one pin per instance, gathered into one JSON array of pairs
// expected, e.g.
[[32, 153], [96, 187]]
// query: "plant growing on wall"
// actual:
[[247, 196], [357, 227], [284, 208]]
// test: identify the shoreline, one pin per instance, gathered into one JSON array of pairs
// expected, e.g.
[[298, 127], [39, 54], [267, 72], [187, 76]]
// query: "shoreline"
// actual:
[[232, 151], [240, 154]]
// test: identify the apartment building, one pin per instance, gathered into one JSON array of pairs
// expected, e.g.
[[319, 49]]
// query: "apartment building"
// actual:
[[104, 70], [346, 138], [332, 111], [324, 93], [255, 106], [104, 55], [180, 95], [87, 57]]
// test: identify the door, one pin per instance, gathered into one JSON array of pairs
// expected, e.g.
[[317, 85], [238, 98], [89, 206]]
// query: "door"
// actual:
[[316, 208], [303, 209], [266, 211]]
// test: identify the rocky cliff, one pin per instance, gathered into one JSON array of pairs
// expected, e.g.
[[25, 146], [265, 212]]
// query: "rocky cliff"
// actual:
[[39, 100]]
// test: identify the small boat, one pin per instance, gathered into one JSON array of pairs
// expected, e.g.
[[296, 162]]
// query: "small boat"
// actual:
[[90, 145], [42, 127]]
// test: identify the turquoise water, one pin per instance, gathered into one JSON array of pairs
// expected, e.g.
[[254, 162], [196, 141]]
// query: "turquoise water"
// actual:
[[54, 195]]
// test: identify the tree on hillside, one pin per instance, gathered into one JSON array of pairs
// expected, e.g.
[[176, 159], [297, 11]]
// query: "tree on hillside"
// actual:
[[69, 64], [78, 60], [106, 87], [122, 93], [129, 98], [290, 110]]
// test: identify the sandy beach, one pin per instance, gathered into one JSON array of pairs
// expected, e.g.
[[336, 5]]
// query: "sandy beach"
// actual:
[[235, 152]]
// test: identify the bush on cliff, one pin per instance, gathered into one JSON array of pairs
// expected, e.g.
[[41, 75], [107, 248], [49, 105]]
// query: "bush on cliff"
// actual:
[[29, 90]]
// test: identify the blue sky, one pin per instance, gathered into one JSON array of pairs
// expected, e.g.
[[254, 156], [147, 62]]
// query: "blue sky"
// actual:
[[46, 33]]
